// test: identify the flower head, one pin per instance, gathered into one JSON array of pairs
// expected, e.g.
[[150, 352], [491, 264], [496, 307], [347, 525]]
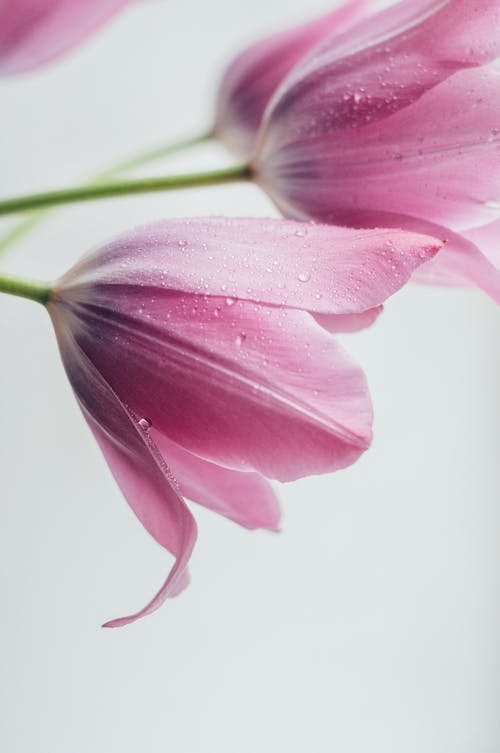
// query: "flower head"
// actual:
[[194, 358], [32, 32], [395, 122], [253, 76]]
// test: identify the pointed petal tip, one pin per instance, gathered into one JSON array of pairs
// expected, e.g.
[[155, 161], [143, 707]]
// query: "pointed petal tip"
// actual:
[[177, 584]]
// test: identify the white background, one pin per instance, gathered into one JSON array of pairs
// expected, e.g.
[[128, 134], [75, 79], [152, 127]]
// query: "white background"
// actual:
[[371, 623]]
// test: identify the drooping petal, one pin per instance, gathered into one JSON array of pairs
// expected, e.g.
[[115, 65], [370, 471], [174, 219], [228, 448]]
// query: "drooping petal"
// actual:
[[245, 498], [320, 268], [254, 74], [32, 32], [135, 462], [246, 386], [438, 158]]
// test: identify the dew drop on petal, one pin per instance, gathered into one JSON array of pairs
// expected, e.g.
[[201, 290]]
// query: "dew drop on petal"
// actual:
[[145, 424], [230, 301], [304, 277], [240, 339]]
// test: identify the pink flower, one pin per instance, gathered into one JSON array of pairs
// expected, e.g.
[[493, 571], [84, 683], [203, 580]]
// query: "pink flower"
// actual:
[[396, 123], [32, 32], [253, 76], [201, 373]]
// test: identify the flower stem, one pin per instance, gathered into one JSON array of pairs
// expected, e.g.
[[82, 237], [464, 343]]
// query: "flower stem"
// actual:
[[123, 188], [35, 291], [152, 155]]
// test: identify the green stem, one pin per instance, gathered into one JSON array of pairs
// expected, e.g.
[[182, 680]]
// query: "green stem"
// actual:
[[152, 155], [36, 218], [35, 291], [123, 188]]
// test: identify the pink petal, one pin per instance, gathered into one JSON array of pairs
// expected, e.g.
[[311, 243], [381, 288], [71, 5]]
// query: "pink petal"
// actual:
[[135, 462], [390, 122], [245, 498], [32, 32], [243, 385], [384, 63], [438, 158], [348, 322], [487, 238], [320, 268], [460, 262], [255, 73]]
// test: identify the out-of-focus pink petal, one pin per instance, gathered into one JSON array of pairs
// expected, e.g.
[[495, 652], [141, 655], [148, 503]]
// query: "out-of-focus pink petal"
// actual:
[[32, 32], [438, 158], [348, 322], [254, 74], [246, 386], [462, 264], [135, 462], [245, 498], [320, 268], [487, 238]]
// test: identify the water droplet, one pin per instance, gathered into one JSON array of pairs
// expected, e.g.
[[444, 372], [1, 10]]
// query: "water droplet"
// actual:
[[240, 339], [182, 244], [304, 277], [300, 233], [230, 301], [145, 424]]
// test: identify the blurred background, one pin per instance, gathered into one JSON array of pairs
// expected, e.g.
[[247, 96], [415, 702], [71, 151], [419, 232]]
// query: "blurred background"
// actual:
[[372, 621]]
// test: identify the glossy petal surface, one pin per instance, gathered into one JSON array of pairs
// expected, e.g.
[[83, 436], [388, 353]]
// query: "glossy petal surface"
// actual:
[[32, 32], [407, 163], [135, 462], [239, 384], [245, 498], [400, 114], [252, 78], [185, 343], [319, 268], [461, 262]]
